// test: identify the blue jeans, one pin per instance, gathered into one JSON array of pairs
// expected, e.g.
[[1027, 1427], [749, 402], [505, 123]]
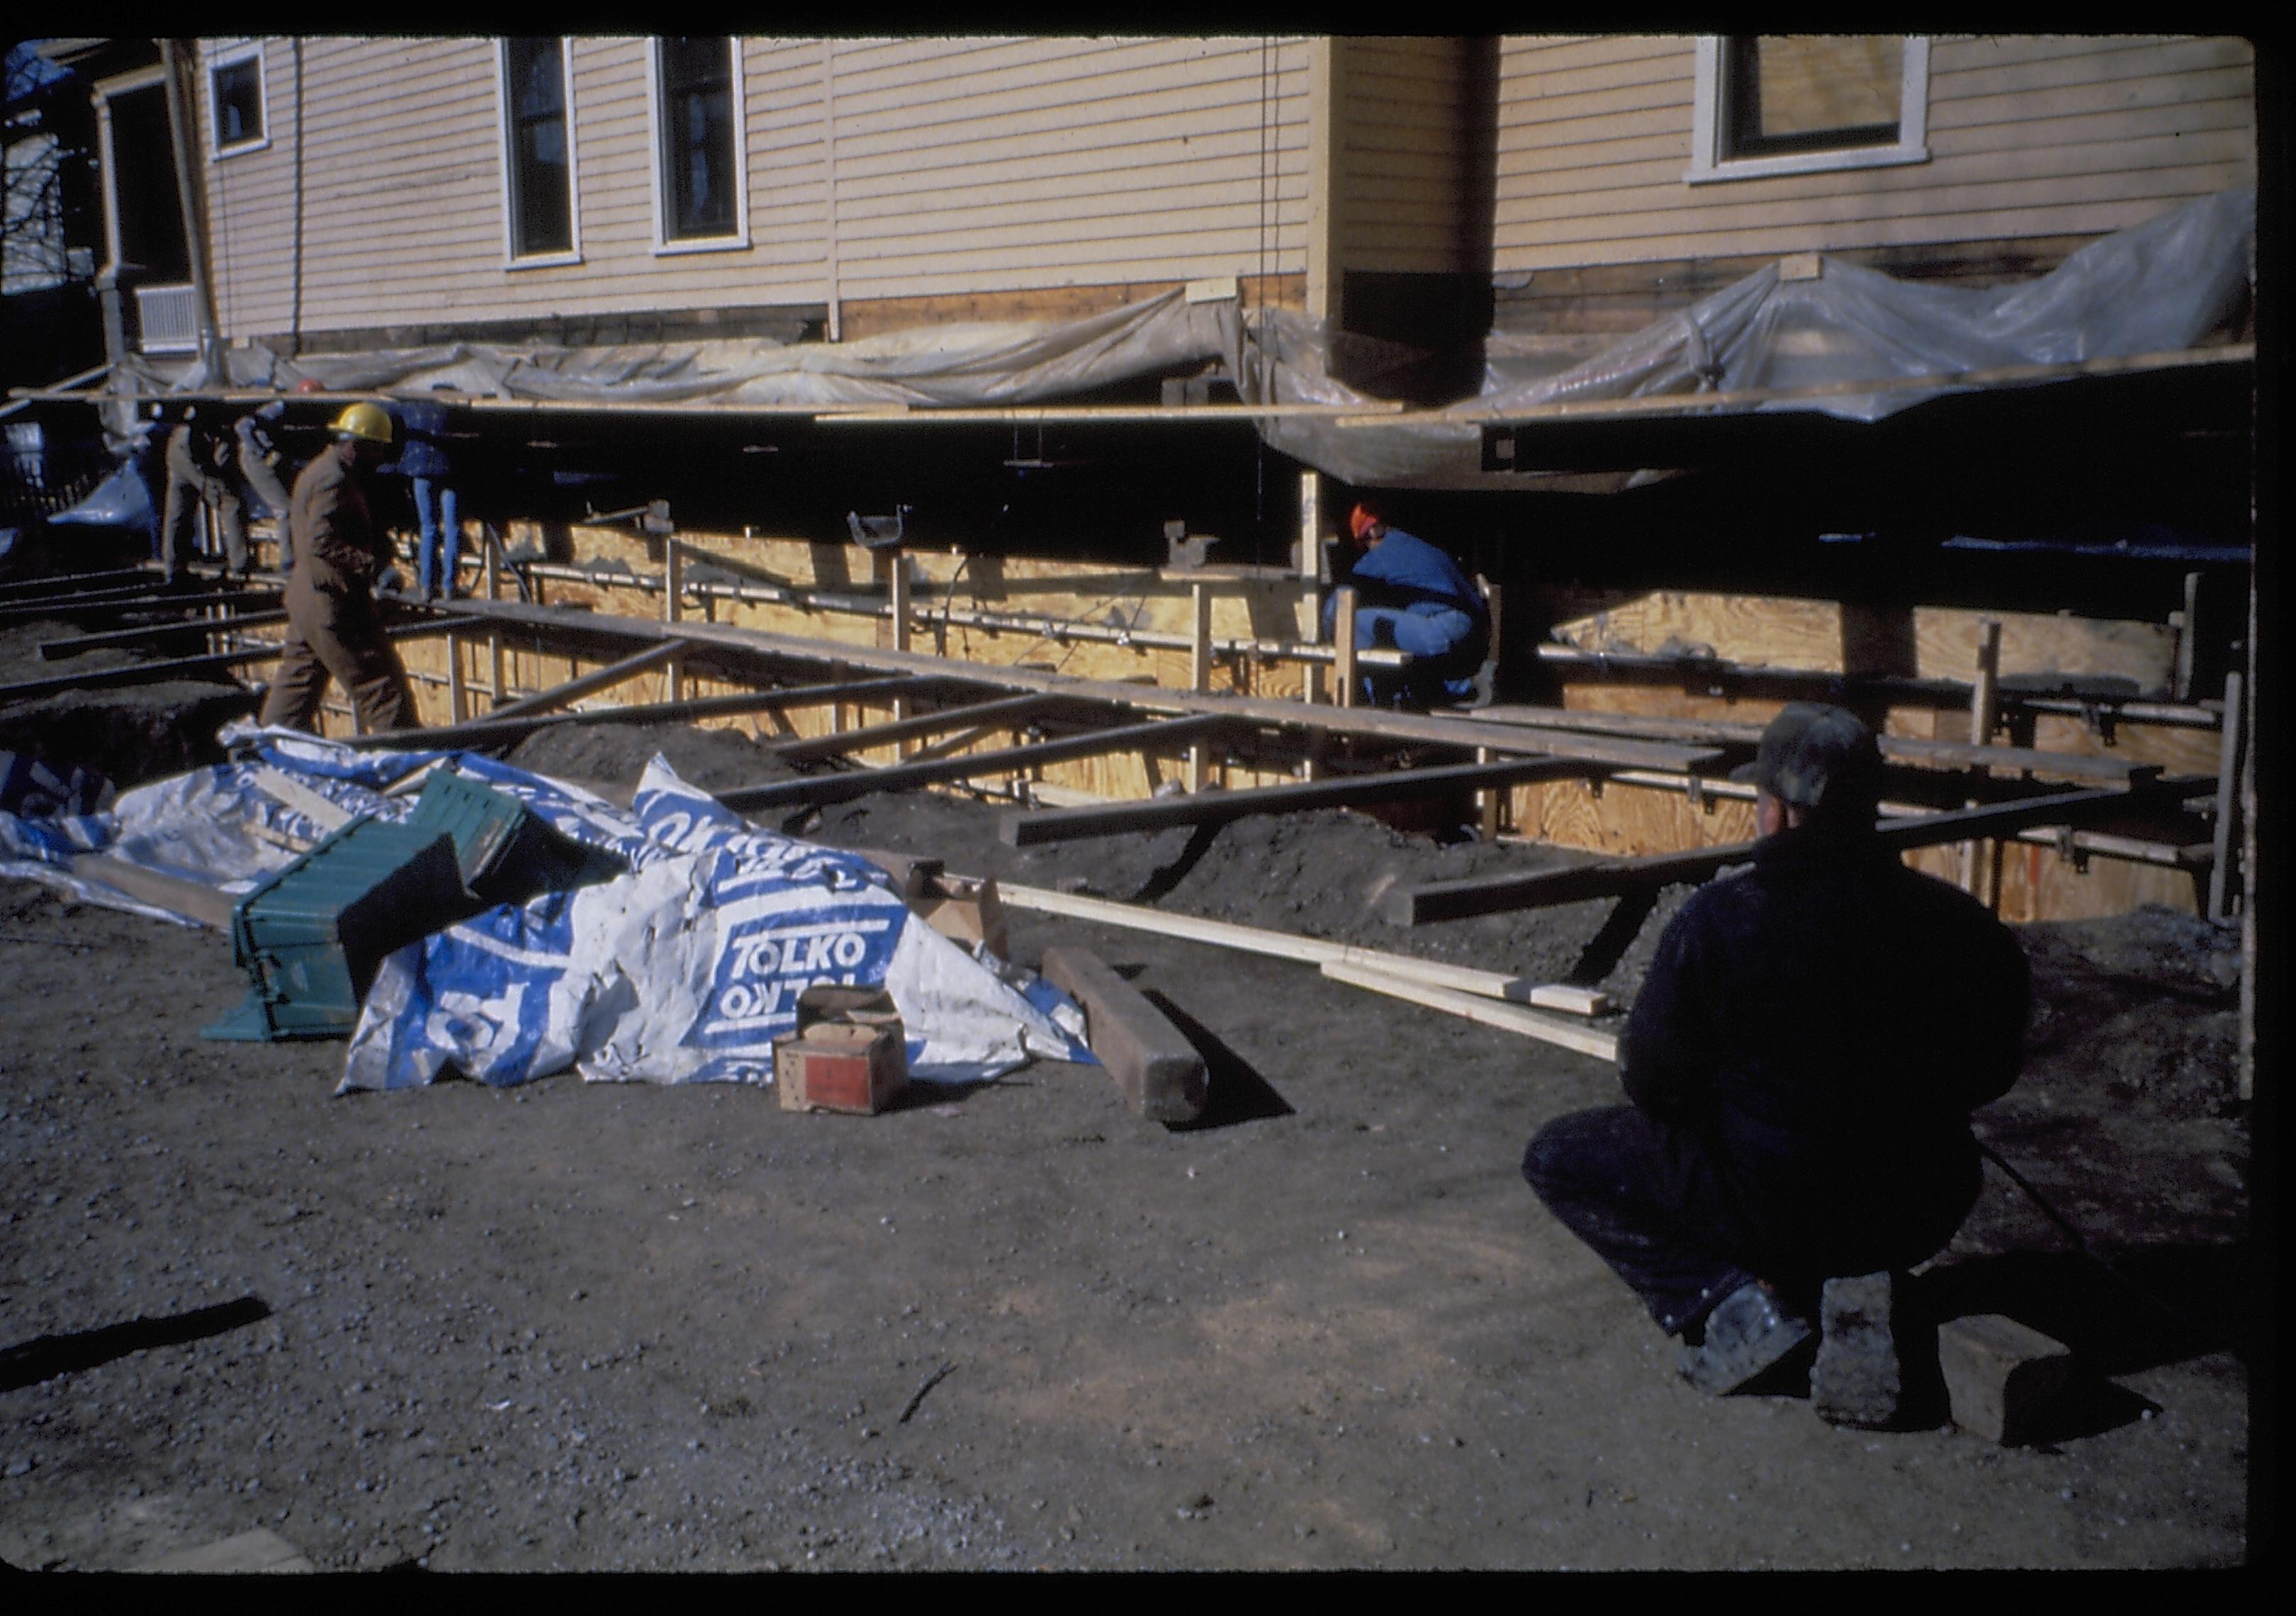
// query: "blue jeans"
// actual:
[[1437, 639], [435, 509]]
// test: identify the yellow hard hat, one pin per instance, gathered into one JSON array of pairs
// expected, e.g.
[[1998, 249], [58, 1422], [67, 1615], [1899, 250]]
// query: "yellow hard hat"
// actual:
[[371, 422]]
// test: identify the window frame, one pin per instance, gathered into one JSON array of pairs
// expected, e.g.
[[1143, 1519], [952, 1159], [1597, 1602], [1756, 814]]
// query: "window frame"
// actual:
[[506, 120], [232, 54], [1709, 133], [664, 243]]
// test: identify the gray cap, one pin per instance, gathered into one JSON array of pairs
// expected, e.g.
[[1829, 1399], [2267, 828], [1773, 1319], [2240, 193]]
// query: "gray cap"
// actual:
[[1817, 757]]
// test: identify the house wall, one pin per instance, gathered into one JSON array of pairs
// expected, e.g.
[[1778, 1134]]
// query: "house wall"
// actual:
[[2036, 146], [1404, 170], [909, 170]]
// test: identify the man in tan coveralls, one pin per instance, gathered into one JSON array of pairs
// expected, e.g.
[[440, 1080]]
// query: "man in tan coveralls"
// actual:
[[333, 626]]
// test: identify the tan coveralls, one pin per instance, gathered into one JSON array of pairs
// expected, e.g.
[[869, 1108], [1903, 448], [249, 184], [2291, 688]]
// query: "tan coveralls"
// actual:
[[197, 474], [333, 626]]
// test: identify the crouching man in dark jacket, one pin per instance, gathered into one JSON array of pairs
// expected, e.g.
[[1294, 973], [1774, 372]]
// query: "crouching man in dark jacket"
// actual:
[[1802, 1060]]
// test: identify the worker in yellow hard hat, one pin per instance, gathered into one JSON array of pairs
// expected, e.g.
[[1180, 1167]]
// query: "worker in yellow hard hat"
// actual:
[[334, 628]]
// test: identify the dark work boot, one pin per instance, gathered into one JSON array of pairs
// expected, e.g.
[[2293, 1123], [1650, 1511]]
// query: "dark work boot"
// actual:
[[1748, 1334], [1859, 1376]]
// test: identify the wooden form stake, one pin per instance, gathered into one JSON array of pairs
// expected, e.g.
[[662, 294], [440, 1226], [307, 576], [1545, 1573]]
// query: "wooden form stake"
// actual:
[[897, 587], [457, 698], [1344, 642], [1980, 861], [2223, 873], [1200, 668], [673, 590]]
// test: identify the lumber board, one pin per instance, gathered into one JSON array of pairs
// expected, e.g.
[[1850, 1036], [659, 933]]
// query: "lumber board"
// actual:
[[1487, 1012], [126, 602], [1897, 748], [1370, 723], [203, 904], [1026, 829], [1158, 1072], [824, 790], [72, 646], [176, 668], [588, 684], [498, 730], [1273, 945], [280, 787], [1605, 878], [1011, 708]]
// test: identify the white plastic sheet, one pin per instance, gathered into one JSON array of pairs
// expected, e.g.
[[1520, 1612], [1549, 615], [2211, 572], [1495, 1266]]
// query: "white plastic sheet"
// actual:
[[683, 970]]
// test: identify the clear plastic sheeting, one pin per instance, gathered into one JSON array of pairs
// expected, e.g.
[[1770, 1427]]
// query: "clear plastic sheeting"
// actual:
[[977, 364], [2156, 287]]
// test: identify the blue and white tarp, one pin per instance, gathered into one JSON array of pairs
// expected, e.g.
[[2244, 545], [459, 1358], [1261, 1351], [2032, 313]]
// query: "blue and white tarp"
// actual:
[[683, 970]]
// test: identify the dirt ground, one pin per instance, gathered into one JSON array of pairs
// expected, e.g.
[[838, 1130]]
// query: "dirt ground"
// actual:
[[588, 1326]]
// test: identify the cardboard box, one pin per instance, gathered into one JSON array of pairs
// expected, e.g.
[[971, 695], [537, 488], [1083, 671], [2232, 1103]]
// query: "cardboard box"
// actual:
[[966, 912], [849, 1052]]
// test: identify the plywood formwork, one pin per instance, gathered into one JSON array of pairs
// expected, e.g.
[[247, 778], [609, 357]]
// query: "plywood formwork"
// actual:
[[832, 599]]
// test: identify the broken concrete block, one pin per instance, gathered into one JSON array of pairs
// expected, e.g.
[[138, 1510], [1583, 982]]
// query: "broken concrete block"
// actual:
[[1859, 1378], [2001, 1375], [1157, 1071]]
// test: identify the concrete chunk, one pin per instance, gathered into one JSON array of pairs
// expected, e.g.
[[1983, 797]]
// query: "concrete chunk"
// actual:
[[2001, 1375], [1157, 1071]]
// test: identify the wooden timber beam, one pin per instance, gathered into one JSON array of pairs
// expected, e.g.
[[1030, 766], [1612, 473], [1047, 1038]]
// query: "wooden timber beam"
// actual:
[[128, 602], [1610, 877], [1010, 708], [1399, 728], [72, 646], [1023, 830], [482, 733], [827, 789], [68, 583], [589, 684], [1713, 675], [1896, 749], [176, 667]]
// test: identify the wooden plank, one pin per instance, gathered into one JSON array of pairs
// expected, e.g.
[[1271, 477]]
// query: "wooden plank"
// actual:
[[1272, 945], [72, 645], [493, 732], [1010, 708], [1021, 830], [325, 812], [902, 777], [176, 667], [602, 678], [1373, 723], [203, 904], [1605, 878], [1161, 1075], [1487, 1012]]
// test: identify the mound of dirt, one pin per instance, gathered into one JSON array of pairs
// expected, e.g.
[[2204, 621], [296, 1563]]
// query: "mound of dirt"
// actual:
[[617, 754]]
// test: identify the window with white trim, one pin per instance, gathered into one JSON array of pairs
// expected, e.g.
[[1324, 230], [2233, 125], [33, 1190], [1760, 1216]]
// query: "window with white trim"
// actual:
[[235, 101], [701, 168], [1804, 103], [539, 180]]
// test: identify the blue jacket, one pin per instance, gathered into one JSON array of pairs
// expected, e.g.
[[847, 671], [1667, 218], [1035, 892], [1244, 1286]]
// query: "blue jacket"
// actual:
[[422, 447], [1404, 570]]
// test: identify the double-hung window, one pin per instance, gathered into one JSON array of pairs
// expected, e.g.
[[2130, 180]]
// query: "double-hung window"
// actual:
[[538, 151], [700, 165], [235, 100], [1802, 104]]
